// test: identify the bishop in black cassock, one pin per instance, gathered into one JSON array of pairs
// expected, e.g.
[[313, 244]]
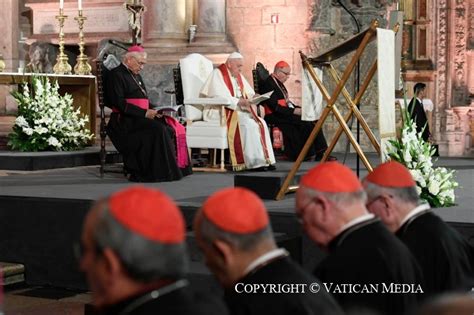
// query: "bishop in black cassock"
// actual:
[[368, 254], [367, 267], [233, 230], [281, 112], [446, 258], [291, 294], [149, 147]]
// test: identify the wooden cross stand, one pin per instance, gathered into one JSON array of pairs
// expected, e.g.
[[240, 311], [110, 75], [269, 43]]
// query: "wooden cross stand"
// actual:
[[358, 43]]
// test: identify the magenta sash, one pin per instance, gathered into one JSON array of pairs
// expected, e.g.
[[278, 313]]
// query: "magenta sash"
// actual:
[[181, 146], [180, 132], [143, 103]]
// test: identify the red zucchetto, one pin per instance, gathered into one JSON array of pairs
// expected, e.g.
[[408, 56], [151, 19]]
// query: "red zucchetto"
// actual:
[[331, 177], [282, 64], [236, 210], [149, 213], [391, 174]]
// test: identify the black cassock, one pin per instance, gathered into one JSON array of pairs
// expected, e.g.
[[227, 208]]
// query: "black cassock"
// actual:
[[280, 271], [179, 302], [445, 257], [295, 131], [368, 254], [419, 116], [148, 146]]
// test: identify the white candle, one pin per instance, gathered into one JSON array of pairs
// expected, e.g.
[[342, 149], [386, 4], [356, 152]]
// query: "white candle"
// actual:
[[79, 4], [61, 4]]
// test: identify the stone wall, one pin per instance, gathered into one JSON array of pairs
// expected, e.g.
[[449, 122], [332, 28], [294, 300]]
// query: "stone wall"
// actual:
[[250, 28], [271, 30], [331, 24]]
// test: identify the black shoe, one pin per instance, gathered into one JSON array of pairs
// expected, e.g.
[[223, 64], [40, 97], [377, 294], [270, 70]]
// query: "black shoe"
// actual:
[[271, 167]]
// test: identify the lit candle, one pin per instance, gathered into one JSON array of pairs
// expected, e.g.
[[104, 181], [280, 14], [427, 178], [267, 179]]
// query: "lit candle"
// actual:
[[61, 4], [80, 5]]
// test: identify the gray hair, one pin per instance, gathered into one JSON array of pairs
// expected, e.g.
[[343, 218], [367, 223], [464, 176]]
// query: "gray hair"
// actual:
[[405, 194], [135, 54], [145, 260], [245, 242], [339, 198]]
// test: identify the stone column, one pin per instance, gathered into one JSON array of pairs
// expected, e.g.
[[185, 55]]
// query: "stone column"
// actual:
[[210, 19], [464, 127], [471, 122], [164, 22], [9, 15]]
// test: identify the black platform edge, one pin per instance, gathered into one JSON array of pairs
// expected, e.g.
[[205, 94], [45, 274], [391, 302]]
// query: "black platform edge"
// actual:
[[265, 185], [41, 232], [34, 161]]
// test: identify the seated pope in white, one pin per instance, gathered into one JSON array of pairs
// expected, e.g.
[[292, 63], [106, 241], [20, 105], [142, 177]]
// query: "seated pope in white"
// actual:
[[249, 140]]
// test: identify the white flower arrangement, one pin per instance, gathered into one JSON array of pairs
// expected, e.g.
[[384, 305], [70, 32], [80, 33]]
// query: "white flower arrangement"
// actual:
[[46, 120], [434, 185]]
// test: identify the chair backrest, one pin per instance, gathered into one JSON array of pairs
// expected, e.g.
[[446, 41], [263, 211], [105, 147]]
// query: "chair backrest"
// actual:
[[260, 74], [195, 69]]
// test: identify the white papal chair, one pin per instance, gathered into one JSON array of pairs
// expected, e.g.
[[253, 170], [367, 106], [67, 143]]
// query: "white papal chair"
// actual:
[[194, 71]]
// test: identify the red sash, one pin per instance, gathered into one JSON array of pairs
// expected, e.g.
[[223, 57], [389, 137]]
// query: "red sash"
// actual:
[[281, 102], [232, 121], [233, 131], [181, 145]]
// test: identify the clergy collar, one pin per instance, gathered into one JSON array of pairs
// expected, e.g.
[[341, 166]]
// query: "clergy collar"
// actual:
[[421, 101], [362, 218], [265, 259]]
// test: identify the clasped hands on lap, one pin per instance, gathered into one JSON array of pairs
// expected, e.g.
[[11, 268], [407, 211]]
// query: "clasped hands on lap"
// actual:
[[245, 105], [152, 113]]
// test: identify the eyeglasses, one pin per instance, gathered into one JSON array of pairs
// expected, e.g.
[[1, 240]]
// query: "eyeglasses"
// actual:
[[284, 72], [141, 63]]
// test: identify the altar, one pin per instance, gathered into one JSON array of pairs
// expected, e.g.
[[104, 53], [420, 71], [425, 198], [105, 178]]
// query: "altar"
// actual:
[[81, 87]]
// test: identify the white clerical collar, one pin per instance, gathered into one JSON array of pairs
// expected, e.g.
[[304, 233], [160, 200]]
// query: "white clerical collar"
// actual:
[[266, 257], [421, 101], [362, 218], [414, 212]]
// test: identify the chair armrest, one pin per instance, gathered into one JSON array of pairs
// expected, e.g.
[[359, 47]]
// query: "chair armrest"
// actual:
[[215, 101]]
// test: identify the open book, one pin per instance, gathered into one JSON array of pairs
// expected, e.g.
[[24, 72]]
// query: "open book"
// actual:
[[257, 99], [167, 108]]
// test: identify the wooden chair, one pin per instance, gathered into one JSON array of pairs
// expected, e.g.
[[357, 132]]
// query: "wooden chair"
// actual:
[[101, 77]]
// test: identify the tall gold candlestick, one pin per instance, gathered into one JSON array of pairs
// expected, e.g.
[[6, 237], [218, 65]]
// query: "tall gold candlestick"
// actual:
[[82, 66], [62, 66]]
